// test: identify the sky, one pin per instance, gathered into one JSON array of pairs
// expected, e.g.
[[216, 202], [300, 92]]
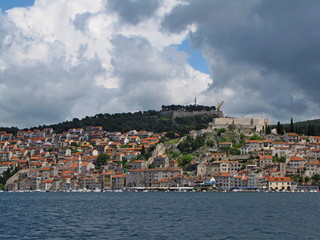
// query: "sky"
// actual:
[[68, 59]]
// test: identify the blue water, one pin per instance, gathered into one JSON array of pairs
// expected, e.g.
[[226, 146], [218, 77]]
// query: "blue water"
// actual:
[[155, 215]]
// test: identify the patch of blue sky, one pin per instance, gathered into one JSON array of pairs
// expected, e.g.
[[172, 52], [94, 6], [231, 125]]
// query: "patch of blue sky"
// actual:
[[9, 4], [195, 57]]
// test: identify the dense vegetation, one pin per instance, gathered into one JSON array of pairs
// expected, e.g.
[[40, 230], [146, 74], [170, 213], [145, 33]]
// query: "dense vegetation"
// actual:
[[309, 127], [157, 122], [148, 120], [12, 130], [6, 175], [191, 144], [189, 108]]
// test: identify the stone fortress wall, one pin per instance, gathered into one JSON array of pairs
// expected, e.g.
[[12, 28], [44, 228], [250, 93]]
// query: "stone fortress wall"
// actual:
[[259, 124], [175, 114]]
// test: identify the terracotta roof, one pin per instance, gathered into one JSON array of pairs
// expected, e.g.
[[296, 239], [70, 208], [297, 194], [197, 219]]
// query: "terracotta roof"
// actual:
[[295, 158], [292, 134], [313, 163], [266, 157], [223, 174], [138, 161], [47, 181], [279, 179], [110, 172], [119, 176]]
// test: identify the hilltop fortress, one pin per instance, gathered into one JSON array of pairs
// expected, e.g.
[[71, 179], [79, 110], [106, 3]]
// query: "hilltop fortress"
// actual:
[[176, 114], [175, 111], [258, 124]]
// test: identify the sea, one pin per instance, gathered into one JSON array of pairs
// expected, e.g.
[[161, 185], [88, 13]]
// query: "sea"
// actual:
[[159, 215]]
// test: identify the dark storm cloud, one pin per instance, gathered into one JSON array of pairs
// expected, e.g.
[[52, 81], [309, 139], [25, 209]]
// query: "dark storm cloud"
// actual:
[[279, 39], [134, 11]]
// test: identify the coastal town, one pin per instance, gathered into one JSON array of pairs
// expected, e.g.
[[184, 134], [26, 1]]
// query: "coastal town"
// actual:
[[237, 155]]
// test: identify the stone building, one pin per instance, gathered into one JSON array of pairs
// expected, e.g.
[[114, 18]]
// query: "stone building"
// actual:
[[257, 124]]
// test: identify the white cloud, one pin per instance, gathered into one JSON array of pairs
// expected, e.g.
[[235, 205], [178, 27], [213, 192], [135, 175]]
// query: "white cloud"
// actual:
[[63, 59]]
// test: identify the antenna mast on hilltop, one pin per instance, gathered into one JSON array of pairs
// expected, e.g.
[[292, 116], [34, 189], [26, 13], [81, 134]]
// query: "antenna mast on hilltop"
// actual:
[[195, 101]]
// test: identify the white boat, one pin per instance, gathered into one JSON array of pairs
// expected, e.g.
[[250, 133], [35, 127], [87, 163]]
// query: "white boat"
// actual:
[[118, 190]]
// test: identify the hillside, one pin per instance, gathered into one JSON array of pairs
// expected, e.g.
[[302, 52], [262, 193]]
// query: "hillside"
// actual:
[[150, 120], [160, 121], [309, 127]]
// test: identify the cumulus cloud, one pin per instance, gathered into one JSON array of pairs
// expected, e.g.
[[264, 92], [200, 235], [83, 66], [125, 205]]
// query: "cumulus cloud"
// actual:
[[64, 59]]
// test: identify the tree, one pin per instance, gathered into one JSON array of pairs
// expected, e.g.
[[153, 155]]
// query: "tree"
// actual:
[[234, 151], [282, 160], [174, 155], [307, 179], [316, 178], [184, 160], [311, 130], [190, 144], [268, 129], [210, 143], [278, 159], [143, 150], [292, 126], [255, 137], [170, 135], [300, 180], [222, 130], [8, 174], [102, 159], [280, 129], [125, 164]]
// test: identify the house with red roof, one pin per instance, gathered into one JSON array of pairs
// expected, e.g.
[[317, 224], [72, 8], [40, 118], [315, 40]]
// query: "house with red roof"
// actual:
[[46, 185], [118, 181], [265, 160], [279, 183], [290, 137], [224, 180]]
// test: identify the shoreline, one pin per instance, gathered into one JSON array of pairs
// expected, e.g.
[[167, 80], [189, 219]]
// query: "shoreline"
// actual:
[[150, 190]]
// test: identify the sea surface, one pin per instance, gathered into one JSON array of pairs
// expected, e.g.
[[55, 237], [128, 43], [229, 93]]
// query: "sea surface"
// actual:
[[159, 215]]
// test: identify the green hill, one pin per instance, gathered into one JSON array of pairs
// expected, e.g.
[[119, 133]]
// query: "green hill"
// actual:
[[151, 120], [160, 121], [309, 127]]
